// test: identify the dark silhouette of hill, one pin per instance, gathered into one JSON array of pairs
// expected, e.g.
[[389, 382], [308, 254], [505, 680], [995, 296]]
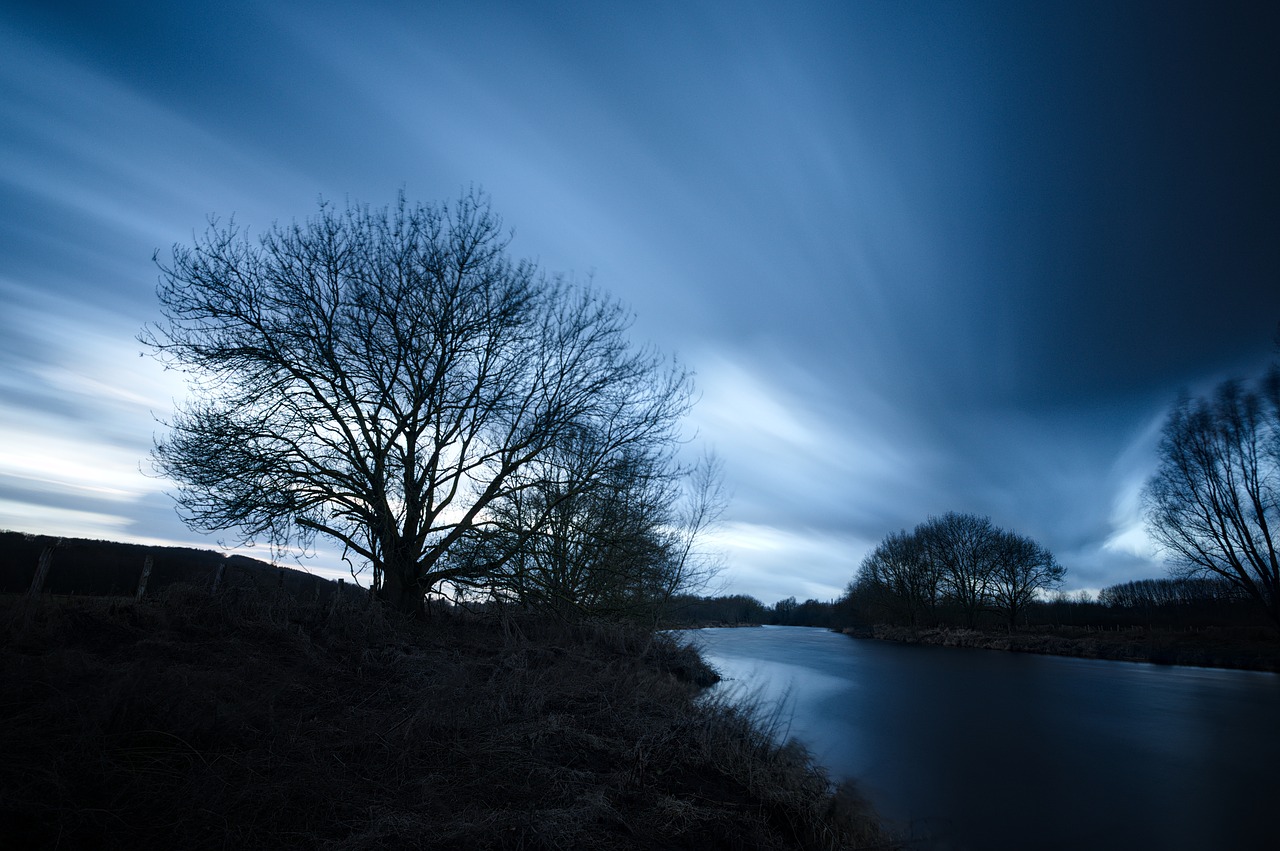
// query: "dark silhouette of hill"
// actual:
[[83, 566]]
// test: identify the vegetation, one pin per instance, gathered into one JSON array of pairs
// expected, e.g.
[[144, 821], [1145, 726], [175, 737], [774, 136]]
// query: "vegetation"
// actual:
[[1214, 501], [1172, 621], [955, 568], [486, 442], [1180, 620], [193, 720], [727, 610], [391, 380]]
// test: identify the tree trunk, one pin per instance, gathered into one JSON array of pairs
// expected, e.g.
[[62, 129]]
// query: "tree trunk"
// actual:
[[42, 569], [401, 591], [146, 575]]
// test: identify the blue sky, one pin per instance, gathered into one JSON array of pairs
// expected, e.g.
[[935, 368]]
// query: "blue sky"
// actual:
[[922, 256]]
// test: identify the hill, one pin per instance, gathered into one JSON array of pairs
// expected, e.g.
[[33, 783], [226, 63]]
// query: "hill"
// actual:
[[82, 566]]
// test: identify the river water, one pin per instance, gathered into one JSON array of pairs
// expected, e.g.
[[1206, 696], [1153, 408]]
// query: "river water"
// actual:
[[982, 750]]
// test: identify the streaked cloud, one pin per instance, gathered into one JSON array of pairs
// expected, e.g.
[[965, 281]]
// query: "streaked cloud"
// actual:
[[926, 258]]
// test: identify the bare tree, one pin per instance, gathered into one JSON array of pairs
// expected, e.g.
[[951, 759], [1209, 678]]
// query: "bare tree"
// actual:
[[623, 545], [573, 545], [901, 575], [960, 559], [1214, 501], [691, 563], [962, 545], [384, 377], [1020, 570]]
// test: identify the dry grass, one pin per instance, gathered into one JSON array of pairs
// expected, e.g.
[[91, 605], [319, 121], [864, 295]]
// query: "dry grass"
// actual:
[[200, 722]]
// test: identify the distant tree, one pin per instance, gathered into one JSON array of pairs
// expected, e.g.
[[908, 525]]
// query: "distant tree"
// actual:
[[957, 561], [731, 609], [1021, 570], [625, 545], [784, 611], [815, 613], [388, 378], [1214, 501], [901, 574], [964, 548], [1175, 591]]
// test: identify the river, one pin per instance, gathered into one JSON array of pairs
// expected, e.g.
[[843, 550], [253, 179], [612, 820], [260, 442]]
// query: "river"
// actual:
[[982, 750]]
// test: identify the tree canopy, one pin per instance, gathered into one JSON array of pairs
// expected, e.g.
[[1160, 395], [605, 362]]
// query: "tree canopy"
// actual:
[[1214, 500], [392, 380], [959, 564]]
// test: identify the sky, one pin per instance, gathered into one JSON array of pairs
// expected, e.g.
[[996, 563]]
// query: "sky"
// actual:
[[922, 256]]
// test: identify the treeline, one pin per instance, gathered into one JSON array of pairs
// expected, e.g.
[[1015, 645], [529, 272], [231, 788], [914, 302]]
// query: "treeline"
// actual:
[[731, 610], [960, 570], [1175, 603]]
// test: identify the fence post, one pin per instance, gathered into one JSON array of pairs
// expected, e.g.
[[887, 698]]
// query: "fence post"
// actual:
[[146, 574], [42, 568]]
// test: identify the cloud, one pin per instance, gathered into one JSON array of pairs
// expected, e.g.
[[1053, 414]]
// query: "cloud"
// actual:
[[78, 439], [95, 175], [775, 562], [1132, 469], [908, 279], [815, 482]]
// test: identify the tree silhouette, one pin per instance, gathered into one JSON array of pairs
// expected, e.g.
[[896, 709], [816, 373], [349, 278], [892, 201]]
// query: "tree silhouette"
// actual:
[[386, 377], [963, 548], [1214, 501], [1021, 569], [960, 562]]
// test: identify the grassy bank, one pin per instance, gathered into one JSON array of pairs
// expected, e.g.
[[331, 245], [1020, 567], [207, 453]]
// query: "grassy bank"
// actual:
[[221, 722], [1248, 648]]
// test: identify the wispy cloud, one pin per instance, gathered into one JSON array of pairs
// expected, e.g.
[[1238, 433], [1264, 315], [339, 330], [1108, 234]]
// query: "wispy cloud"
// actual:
[[908, 274]]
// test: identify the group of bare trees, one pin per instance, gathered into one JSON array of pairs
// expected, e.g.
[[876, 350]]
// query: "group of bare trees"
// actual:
[[957, 566], [1214, 501], [389, 379]]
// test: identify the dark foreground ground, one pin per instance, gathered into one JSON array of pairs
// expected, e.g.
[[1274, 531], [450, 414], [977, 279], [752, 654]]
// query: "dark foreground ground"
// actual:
[[1248, 648], [192, 721]]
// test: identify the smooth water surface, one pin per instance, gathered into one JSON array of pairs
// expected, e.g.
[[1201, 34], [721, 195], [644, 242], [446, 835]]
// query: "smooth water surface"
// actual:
[[982, 749]]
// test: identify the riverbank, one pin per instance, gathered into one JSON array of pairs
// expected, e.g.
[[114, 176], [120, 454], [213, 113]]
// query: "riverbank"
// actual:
[[1253, 649], [208, 722]]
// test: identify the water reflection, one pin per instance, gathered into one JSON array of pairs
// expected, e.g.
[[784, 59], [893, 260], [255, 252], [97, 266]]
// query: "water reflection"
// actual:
[[987, 750]]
